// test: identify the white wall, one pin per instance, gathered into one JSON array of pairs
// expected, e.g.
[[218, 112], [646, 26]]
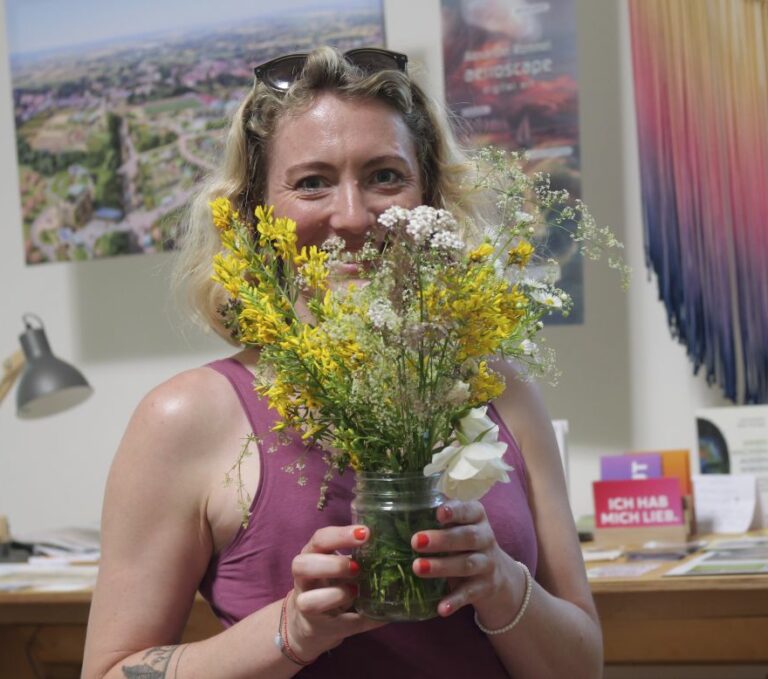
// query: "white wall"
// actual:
[[625, 383]]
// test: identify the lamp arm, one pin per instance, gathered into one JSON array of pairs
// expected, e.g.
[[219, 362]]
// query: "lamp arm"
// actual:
[[12, 367]]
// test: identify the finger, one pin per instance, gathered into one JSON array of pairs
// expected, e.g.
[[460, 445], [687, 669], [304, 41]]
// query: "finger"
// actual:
[[355, 623], [459, 566], [467, 592], [323, 567], [456, 512], [473, 537], [332, 538], [325, 599]]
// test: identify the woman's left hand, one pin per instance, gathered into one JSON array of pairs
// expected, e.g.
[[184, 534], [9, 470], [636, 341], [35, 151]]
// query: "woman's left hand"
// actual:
[[479, 572]]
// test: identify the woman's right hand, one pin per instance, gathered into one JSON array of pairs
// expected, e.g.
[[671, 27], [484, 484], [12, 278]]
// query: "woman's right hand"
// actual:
[[319, 607]]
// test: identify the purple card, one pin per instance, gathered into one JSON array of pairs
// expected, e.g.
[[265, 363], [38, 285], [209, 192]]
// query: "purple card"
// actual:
[[621, 467]]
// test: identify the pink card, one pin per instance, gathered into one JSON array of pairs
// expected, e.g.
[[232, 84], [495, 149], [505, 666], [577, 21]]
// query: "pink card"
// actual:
[[638, 503]]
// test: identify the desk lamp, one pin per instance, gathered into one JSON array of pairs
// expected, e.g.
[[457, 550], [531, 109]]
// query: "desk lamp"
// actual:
[[48, 385]]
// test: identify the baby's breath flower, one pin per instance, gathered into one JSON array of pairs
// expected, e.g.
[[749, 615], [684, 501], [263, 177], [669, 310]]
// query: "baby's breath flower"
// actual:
[[446, 241], [529, 348], [458, 394], [393, 216], [382, 315], [333, 245]]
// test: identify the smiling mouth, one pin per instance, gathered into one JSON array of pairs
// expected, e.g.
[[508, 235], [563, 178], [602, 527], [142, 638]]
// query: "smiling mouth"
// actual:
[[349, 269]]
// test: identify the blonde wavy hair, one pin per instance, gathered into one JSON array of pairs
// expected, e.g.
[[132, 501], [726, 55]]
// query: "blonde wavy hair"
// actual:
[[243, 172]]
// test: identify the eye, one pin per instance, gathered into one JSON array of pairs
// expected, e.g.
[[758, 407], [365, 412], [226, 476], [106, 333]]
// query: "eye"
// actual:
[[387, 176], [311, 183]]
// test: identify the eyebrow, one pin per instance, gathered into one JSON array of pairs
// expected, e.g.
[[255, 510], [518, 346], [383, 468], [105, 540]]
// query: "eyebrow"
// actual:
[[320, 165]]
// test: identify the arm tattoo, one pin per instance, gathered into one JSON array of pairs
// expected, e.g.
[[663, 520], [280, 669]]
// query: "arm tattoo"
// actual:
[[154, 664]]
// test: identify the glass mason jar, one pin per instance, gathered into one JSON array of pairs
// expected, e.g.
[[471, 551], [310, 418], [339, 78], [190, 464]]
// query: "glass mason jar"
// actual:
[[394, 507]]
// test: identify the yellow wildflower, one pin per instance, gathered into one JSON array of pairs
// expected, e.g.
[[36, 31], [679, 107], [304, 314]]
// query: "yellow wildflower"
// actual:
[[228, 271], [280, 232], [486, 385], [354, 461], [521, 253], [311, 264], [481, 253], [222, 212]]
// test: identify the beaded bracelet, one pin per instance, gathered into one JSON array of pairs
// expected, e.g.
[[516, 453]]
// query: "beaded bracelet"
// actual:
[[281, 638], [518, 617]]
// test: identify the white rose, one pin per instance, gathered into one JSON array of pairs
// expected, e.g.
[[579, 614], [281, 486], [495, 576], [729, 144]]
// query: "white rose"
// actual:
[[472, 468]]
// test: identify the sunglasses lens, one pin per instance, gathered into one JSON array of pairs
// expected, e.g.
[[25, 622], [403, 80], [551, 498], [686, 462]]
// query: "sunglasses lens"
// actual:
[[282, 72], [373, 60]]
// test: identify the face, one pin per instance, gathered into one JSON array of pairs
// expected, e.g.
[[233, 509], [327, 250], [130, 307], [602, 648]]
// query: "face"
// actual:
[[336, 167]]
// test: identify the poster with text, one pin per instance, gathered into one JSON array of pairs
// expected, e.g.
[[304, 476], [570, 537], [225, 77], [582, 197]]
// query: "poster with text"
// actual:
[[510, 78], [120, 108]]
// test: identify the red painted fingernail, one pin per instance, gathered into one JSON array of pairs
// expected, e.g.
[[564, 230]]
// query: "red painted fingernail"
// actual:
[[447, 608], [360, 533], [423, 566], [422, 540], [354, 567], [447, 512]]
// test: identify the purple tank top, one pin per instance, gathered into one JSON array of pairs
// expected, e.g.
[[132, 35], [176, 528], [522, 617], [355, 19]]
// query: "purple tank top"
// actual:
[[255, 568]]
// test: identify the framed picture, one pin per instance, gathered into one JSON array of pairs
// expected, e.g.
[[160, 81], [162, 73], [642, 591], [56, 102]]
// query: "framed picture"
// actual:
[[511, 80], [120, 108]]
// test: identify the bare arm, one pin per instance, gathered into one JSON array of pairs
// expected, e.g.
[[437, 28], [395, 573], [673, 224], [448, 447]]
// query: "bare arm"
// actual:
[[157, 542], [559, 634]]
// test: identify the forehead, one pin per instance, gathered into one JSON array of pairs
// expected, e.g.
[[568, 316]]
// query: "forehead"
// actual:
[[331, 126]]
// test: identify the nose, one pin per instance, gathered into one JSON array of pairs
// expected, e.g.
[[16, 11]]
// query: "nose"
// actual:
[[352, 212]]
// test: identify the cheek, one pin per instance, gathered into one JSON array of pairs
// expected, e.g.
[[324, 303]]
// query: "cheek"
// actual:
[[310, 222]]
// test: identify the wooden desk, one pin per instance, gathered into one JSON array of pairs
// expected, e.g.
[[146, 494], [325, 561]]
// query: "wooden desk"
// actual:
[[42, 635], [693, 620], [650, 620]]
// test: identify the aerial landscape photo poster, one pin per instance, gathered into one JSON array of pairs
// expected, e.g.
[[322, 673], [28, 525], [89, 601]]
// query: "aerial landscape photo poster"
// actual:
[[121, 108]]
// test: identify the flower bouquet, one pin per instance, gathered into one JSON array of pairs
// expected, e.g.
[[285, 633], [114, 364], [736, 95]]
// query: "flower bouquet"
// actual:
[[390, 376]]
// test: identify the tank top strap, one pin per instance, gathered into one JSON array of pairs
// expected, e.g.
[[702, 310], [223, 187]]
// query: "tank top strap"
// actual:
[[260, 417], [514, 455]]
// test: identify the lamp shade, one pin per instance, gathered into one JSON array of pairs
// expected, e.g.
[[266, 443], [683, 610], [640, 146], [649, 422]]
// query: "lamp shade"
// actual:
[[48, 385]]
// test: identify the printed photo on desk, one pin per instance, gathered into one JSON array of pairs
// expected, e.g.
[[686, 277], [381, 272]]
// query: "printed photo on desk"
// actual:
[[743, 561]]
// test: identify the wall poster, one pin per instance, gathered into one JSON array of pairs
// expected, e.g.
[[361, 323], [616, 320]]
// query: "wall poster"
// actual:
[[120, 107], [510, 77]]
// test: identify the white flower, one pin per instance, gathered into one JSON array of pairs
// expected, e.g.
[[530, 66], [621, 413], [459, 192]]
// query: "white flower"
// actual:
[[445, 240], [548, 298], [472, 468], [382, 315], [529, 348], [392, 216], [424, 224], [458, 393]]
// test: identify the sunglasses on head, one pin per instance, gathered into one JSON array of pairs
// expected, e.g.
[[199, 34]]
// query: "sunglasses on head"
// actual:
[[281, 73]]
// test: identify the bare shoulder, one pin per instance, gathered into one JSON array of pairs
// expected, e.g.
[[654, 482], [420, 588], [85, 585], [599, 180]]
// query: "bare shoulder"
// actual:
[[522, 408], [182, 417]]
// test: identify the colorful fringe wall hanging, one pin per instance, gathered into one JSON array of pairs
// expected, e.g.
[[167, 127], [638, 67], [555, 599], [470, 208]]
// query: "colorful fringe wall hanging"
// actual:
[[700, 71]]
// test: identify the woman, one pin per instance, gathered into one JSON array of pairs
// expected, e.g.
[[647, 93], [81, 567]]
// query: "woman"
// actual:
[[330, 141]]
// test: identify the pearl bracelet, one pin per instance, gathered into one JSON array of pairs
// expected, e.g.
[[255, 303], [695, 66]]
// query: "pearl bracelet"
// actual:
[[518, 617]]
